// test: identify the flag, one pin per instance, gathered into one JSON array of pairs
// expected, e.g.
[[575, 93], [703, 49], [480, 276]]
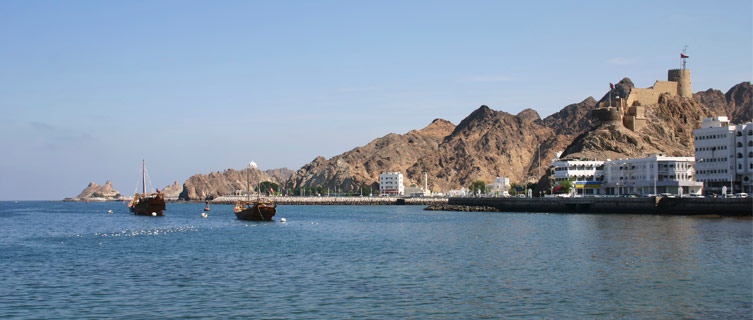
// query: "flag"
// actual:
[[271, 190], [611, 86], [683, 56]]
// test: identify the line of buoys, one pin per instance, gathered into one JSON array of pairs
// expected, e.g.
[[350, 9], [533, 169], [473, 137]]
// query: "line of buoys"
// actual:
[[109, 211], [204, 215], [283, 220], [154, 214]]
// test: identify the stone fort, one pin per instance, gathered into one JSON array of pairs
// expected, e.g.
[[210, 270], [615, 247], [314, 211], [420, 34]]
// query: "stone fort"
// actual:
[[630, 111]]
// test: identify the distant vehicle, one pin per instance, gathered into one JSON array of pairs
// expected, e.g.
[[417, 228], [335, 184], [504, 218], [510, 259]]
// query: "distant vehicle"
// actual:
[[668, 195], [741, 195]]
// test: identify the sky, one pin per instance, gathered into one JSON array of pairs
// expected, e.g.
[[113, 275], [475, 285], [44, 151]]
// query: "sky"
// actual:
[[89, 89]]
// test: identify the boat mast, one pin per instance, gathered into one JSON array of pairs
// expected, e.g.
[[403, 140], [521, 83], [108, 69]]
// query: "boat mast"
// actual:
[[248, 183], [143, 176]]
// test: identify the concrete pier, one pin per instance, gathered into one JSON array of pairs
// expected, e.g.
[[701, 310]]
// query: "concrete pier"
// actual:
[[658, 205]]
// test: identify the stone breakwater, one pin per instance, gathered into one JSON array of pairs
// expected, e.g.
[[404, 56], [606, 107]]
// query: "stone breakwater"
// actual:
[[659, 205], [337, 200]]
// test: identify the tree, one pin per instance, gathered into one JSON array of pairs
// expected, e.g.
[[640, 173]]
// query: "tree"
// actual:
[[266, 185], [566, 186], [478, 185]]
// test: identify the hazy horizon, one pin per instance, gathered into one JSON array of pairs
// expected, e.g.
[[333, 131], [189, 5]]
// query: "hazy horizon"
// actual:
[[89, 89]]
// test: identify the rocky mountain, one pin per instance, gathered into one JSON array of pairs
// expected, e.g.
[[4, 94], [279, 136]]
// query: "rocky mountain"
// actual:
[[94, 190], [209, 186], [486, 144], [489, 143], [737, 103], [280, 174], [362, 165]]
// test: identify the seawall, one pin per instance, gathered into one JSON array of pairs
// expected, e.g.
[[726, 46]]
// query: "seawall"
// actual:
[[659, 205], [338, 200]]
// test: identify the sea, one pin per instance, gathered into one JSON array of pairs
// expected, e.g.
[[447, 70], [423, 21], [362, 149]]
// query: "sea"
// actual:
[[62, 260]]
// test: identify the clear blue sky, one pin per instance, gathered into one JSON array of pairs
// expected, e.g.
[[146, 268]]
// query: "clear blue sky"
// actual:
[[90, 88]]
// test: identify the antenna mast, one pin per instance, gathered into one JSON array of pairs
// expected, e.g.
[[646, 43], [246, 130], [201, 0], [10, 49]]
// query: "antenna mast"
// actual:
[[143, 176], [684, 56]]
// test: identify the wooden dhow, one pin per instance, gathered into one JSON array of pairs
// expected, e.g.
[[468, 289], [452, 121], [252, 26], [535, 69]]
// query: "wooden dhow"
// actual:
[[147, 204], [258, 210]]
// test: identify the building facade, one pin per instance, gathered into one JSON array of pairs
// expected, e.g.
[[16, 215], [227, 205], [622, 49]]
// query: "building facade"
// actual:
[[587, 175], [655, 174], [724, 156], [391, 183]]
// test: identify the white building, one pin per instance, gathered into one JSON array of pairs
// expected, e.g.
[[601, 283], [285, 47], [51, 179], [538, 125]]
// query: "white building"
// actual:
[[724, 155], [586, 175], [655, 174], [391, 183], [500, 186]]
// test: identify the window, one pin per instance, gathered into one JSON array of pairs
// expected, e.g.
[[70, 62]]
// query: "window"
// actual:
[[750, 154], [739, 144], [750, 143], [739, 133], [739, 155]]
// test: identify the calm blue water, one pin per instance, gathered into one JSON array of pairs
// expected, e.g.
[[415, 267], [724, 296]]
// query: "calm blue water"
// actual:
[[74, 260]]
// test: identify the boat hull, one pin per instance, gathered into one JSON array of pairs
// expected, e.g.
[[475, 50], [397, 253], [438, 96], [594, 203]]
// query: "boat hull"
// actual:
[[259, 212], [148, 205]]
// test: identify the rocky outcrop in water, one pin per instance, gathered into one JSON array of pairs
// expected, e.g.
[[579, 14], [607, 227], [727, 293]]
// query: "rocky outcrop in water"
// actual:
[[97, 192], [172, 191]]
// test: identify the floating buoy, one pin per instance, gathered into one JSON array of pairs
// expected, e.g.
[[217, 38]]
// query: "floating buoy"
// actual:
[[204, 215], [283, 220], [154, 214], [109, 211]]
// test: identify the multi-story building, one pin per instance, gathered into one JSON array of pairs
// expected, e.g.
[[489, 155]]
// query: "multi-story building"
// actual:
[[586, 175], [655, 174], [500, 186], [391, 183], [724, 155]]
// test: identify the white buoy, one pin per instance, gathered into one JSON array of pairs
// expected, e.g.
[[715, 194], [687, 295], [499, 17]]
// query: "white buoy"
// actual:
[[109, 211], [283, 220], [204, 215], [154, 214]]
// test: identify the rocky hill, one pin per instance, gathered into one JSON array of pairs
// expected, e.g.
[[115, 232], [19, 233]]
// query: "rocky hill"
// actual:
[[362, 165], [490, 143], [669, 131], [737, 103], [280, 174], [486, 144], [209, 186]]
